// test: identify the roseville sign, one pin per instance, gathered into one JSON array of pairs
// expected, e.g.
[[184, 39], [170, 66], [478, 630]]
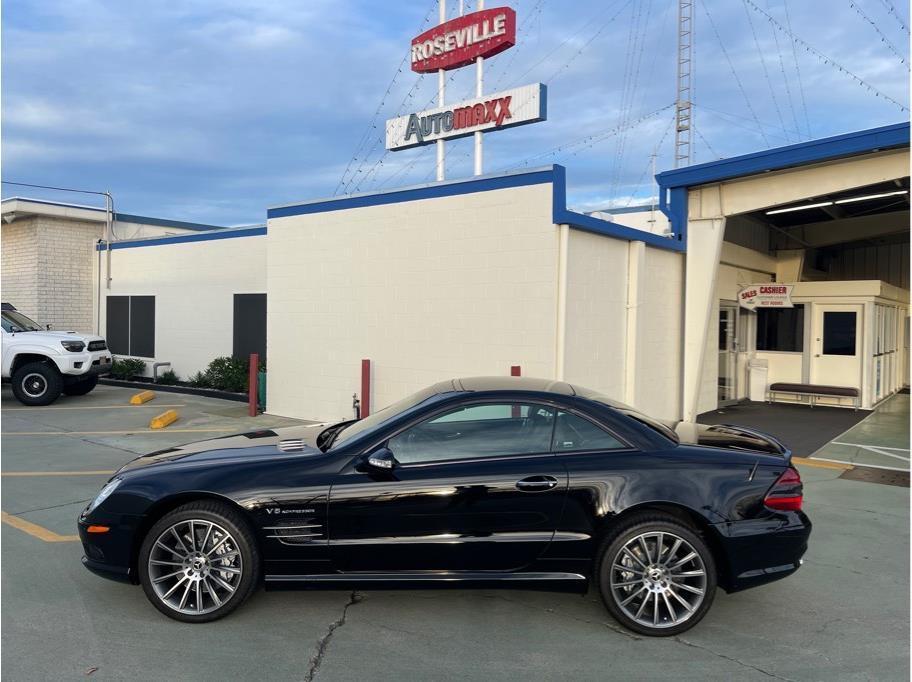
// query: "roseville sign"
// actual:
[[766, 296], [460, 41], [526, 104]]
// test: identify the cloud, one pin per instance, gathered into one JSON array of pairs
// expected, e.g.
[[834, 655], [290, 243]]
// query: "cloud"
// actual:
[[213, 111]]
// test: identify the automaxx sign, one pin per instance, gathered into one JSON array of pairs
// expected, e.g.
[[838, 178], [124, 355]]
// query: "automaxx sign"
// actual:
[[491, 112], [453, 44]]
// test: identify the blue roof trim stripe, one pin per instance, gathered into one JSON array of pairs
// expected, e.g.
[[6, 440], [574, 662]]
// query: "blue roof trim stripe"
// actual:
[[431, 191], [813, 151], [563, 216], [185, 238], [125, 217], [674, 184]]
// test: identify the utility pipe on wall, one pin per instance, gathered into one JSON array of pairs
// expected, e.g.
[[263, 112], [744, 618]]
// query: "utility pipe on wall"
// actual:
[[441, 92], [560, 345], [479, 89]]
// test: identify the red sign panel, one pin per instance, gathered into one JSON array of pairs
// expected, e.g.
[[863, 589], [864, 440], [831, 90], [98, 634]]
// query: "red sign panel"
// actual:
[[460, 41]]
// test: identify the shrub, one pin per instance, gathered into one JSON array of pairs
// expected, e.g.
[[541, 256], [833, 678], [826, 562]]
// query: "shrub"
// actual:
[[168, 378], [199, 380], [127, 368], [228, 374]]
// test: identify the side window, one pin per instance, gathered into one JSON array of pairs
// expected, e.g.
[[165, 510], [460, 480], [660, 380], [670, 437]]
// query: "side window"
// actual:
[[486, 430], [575, 433]]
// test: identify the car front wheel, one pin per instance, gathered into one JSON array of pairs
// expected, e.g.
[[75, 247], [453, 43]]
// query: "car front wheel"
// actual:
[[199, 562], [657, 576], [37, 384]]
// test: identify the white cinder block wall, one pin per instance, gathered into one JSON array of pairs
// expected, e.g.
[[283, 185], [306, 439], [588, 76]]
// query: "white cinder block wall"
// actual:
[[194, 285], [428, 290], [47, 270]]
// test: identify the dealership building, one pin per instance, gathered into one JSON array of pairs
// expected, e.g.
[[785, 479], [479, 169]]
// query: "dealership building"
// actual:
[[789, 265]]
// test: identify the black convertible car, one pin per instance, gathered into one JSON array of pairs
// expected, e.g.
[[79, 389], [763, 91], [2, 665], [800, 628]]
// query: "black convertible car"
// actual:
[[481, 482]]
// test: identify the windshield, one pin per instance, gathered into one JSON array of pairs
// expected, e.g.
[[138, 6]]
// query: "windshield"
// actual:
[[354, 429], [17, 322]]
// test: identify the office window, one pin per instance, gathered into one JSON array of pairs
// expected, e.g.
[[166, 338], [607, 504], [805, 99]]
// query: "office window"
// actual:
[[249, 326], [838, 333], [781, 329], [130, 326]]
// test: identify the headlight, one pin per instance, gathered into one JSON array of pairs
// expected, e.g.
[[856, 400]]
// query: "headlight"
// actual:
[[73, 346], [105, 492]]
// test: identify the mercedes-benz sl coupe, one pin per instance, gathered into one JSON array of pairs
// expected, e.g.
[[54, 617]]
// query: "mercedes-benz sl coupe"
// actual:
[[476, 482]]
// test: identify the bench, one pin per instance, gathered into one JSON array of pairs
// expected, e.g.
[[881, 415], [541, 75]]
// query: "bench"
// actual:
[[814, 391]]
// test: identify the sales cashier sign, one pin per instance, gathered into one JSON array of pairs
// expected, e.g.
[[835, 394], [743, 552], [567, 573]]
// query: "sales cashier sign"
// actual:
[[766, 296]]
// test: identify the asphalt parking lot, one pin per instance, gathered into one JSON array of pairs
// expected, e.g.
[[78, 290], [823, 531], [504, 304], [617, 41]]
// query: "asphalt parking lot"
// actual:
[[844, 615]]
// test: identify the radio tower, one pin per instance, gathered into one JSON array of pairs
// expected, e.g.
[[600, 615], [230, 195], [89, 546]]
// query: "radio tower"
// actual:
[[683, 113]]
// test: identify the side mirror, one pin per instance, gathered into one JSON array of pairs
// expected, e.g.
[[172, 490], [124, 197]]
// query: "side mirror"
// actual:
[[47, 327], [383, 460]]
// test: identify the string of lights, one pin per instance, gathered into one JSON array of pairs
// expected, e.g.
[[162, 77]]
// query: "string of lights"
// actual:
[[766, 75], [825, 59], [883, 38], [785, 79], [804, 106], [731, 66]]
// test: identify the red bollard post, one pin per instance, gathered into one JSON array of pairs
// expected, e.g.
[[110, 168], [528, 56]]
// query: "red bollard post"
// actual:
[[515, 371], [252, 384], [365, 388]]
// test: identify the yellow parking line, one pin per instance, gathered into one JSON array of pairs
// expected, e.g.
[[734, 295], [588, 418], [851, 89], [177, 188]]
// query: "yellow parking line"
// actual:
[[821, 464], [110, 433], [87, 407], [56, 473], [35, 530]]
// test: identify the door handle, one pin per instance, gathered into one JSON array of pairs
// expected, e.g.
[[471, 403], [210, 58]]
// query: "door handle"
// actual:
[[534, 484]]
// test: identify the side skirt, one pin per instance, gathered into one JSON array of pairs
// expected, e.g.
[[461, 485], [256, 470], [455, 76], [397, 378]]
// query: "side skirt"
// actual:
[[557, 581]]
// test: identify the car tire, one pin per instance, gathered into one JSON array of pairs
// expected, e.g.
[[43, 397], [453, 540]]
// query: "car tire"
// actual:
[[203, 579], [656, 575], [37, 384], [81, 387]]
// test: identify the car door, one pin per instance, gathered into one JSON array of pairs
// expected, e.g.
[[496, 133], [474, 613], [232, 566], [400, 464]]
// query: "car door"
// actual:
[[474, 488]]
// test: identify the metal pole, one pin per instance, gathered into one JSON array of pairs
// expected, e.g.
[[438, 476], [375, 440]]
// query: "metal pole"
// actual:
[[683, 112], [441, 92], [109, 231], [479, 89]]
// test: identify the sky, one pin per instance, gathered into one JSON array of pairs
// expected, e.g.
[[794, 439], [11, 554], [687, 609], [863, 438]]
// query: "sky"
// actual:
[[212, 111]]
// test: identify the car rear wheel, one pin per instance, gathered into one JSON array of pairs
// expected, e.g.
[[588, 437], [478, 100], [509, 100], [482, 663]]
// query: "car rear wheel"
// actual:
[[37, 384], [199, 562], [81, 387], [656, 576]]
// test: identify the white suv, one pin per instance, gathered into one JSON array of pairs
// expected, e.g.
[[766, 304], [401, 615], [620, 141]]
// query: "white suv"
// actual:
[[42, 364]]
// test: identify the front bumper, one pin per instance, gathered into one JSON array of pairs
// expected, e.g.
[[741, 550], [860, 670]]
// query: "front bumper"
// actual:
[[109, 555], [81, 365], [759, 551]]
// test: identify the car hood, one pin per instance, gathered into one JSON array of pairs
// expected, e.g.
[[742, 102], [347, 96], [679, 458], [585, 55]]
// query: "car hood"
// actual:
[[53, 336], [294, 441], [730, 436]]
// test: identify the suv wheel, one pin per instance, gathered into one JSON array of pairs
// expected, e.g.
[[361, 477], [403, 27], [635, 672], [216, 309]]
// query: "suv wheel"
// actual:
[[199, 562], [656, 576], [81, 387], [37, 384]]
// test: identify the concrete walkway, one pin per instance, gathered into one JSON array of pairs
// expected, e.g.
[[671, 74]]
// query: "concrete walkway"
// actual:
[[880, 440]]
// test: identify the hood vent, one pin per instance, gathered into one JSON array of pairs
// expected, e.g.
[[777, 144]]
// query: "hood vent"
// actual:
[[292, 445]]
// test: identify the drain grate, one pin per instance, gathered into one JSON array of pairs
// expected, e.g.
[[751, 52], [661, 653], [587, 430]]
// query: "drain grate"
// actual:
[[884, 476]]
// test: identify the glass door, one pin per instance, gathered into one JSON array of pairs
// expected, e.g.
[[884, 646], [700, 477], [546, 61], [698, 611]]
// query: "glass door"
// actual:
[[728, 354]]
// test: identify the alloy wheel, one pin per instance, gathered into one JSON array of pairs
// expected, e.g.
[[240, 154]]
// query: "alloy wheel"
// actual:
[[658, 579], [34, 385], [195, 566]]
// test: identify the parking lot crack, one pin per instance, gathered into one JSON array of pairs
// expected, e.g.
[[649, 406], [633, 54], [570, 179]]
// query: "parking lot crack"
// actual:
[[743, 664], [316, 660], [53, 506]]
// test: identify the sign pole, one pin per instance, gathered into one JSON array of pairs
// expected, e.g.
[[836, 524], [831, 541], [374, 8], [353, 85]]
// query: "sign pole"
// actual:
[[479, 88], [441, 92]]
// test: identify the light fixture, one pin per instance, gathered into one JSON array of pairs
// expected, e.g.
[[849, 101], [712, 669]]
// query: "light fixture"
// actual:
[[872, 196], [799, 208]]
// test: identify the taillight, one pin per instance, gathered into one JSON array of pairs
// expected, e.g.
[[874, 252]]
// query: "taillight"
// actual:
[[787, 492]]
